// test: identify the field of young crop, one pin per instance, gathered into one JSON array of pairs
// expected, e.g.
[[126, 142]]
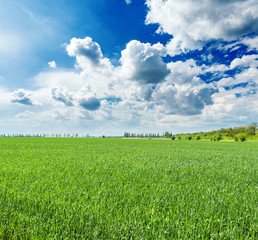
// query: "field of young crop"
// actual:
[[71, 188]]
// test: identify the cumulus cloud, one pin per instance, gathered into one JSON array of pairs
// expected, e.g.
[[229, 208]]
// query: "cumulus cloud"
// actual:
[[84, 48], [143, 82], [245, 61], [252, 43], [183, 92], [184, 72], [247, 79], [22, 97], [228, 106], [60, 94], [194, 22], [143, 62], [87, 52], [90, 103], [142, 91], [146, 92], [184, 100], [52, 64], [87, 99], [128, 1]]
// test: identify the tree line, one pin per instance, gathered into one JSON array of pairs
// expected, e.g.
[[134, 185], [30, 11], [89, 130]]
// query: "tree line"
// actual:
[[148, 135], [241, 133]]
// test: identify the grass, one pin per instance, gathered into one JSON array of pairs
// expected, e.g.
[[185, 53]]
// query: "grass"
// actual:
[[127, 189]]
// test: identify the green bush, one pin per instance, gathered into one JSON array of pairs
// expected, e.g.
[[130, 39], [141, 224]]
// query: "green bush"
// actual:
[[213, 138], [218, 137], [241, 137]]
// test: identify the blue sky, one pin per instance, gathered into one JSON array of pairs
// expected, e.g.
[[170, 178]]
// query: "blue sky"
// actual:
[[109, 67]]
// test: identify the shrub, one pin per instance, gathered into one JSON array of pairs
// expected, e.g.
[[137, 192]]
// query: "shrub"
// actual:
[[213, 138], [198, 137], [241, 137], [218, 137]]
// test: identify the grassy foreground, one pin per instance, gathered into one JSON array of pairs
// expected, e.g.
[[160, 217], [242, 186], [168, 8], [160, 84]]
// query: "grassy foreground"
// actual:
[[120, 189]]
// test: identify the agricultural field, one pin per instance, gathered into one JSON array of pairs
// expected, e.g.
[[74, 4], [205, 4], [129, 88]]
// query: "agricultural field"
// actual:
[[72, 188]]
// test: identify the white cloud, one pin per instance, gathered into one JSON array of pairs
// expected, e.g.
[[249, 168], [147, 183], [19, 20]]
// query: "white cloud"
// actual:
[[142, 83], [239, 102], [88, 53], [128, 1], [252, 43], [243, 118], [228, 107], [87, 99], [60, 94], [249, 75], [85, 48], [22, 97], [184, 100], [143, 63], [52, 64], [184, 72], [217, 68], [245, 61], [129, 97], [194, 22]]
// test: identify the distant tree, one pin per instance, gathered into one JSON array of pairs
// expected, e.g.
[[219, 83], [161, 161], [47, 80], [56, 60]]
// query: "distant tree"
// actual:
[[198, 137], [212, 138], [168, 134], [218, 137], [251, 128], [240, 129], [173, 138], [230, 132], [126, 134], [222, 130], [241, 137]]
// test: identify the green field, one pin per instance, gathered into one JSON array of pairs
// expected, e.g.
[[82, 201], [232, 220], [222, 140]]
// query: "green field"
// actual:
[[71, 188]]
